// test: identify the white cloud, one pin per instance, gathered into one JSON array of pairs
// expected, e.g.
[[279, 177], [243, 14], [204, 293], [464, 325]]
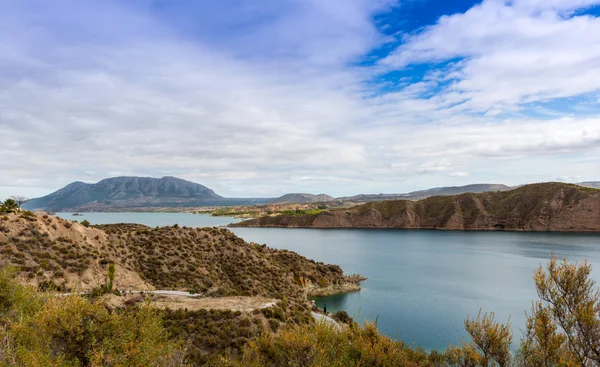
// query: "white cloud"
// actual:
[[514, 52], [441, 165], [459, 174]]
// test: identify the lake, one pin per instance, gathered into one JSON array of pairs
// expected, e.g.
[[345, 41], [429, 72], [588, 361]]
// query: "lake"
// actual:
[[421, 284], [152, 219]]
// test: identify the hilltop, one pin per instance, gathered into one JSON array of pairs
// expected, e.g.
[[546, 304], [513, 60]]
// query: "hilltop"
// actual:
[[537, 207]]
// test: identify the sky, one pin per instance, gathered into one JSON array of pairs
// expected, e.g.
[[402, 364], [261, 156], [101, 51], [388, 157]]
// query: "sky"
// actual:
[[261, 98]]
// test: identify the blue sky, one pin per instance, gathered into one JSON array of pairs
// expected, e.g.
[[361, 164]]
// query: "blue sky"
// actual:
[[266, 97]]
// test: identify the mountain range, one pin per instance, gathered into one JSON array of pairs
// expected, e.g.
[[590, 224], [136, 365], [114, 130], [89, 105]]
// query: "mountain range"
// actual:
[[139, 193]]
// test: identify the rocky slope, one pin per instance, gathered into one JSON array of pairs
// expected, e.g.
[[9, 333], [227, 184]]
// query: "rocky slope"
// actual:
[[536, 207]]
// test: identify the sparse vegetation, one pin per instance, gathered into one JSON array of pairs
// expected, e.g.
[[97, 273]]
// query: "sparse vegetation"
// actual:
[[213, 261]]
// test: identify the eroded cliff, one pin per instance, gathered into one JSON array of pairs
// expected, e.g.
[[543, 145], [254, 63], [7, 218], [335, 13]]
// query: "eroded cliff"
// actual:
[[538, 207]]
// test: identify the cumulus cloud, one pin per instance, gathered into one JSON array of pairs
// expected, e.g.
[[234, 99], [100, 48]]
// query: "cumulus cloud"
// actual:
[[272, 98]]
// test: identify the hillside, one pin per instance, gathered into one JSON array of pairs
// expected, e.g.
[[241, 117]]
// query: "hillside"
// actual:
[[208, 260], [131, 193], [242, 290], [422, 194], [537, 207], [302, 198]]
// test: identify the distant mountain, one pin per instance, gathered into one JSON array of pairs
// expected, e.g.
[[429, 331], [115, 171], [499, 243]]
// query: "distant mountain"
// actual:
[[422, 194], [302, 199], [551, 206], [593, 184], [132, 192]]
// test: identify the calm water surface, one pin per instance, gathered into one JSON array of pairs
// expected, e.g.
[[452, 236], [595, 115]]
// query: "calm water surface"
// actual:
[[152, 219], [422, 284]]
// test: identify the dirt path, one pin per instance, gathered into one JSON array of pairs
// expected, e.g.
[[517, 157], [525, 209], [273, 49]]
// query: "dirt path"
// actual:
[[184, 300], [244, 304]]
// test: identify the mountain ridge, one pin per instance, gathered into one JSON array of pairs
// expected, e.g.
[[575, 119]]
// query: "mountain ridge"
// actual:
[[168, 192]]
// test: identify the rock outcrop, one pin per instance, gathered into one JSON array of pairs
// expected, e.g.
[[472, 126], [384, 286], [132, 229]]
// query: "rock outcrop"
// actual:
[[537, 207]]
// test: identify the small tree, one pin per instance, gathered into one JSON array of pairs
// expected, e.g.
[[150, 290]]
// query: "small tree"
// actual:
[[20, 200], [9, 205], [490, 344], [565, 325], [111, 277]]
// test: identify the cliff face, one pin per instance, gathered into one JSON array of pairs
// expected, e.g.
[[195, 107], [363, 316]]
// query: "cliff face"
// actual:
[[537, 207]]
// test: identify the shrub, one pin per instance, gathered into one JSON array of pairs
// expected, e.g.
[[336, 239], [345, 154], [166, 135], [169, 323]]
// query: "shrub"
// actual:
[[85, 223], [321, 344], [70, 331], [274, 324]]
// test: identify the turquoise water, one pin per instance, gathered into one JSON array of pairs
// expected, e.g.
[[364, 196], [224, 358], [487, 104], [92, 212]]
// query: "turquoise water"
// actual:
[[421, 284]]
